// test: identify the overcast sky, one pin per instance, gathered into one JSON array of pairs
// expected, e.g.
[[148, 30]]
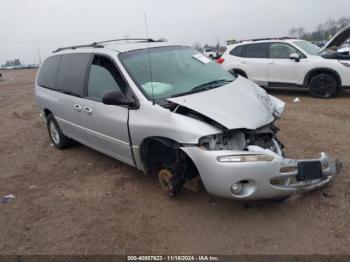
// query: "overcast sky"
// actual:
[[30, 25]]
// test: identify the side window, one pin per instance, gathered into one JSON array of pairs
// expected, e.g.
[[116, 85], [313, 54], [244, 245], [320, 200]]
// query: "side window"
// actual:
[[48, 71], [71, 73], [257, 50], [237, 51], [282, 51], [104, 76]]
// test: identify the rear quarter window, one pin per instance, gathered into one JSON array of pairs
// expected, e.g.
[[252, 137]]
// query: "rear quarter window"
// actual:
[[237, 51], [48, 71], [71, 74]]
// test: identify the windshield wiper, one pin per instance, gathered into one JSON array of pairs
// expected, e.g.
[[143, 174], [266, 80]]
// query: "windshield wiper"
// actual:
[[205, 86]]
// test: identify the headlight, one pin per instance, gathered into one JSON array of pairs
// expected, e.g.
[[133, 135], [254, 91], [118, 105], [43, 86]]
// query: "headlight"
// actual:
[[245, 158], [230, 140]]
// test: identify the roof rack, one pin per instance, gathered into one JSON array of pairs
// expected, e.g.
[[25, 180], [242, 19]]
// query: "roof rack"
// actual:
[[77, 46], [100, 44], [131, 39], [265, 39]]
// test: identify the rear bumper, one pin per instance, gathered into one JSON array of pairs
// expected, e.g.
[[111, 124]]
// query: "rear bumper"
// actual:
[[261, 180]]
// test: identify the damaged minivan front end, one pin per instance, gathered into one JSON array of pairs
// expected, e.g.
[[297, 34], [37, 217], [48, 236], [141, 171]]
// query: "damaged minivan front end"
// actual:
[[245, 164], [246, 160]]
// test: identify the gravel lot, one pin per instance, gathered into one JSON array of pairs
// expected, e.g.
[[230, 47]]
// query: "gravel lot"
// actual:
[[79, 201]]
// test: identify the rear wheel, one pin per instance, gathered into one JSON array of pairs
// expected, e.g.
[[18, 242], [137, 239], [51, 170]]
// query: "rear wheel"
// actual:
[[58, 139], [323, 86]]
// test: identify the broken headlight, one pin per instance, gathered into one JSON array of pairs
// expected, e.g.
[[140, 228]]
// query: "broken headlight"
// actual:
[[233, 140]]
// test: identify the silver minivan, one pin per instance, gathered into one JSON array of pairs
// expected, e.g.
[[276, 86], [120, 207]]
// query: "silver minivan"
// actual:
[[169, 110]]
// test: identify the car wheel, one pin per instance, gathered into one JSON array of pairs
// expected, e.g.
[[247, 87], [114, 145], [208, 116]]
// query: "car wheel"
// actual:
[[323, 86], [164, 177], [58, 139]]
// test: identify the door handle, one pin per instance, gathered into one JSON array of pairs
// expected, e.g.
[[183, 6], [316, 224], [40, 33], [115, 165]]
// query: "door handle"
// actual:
[[77, 107], [243, 62], [88, 110], [271, 63]]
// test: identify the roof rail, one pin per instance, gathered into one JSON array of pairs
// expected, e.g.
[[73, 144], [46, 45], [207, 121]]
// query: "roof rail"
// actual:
[[131, 39], [265, 39], [99, 44], [95, 45]]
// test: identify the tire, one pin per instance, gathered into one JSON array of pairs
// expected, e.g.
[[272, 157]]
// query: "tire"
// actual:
[[323, 86], [58, 139]]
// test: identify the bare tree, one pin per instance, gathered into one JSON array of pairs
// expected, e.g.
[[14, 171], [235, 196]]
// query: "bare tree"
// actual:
[[323, 31], [198, 46]]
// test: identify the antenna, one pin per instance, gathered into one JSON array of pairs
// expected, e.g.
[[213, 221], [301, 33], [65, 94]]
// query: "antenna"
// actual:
[[149, 59], [39, 56]]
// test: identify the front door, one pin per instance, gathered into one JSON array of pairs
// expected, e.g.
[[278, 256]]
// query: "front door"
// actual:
[[281, 70], [107, 125]]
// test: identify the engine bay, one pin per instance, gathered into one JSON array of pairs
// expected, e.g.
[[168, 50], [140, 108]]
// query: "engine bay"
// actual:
[[264, 137]]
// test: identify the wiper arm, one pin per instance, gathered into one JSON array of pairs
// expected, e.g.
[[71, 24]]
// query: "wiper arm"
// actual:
[[212, 84], [205, 86]]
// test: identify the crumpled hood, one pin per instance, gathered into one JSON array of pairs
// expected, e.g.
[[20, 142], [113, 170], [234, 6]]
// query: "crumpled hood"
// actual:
[[338, 39], [239, 104]]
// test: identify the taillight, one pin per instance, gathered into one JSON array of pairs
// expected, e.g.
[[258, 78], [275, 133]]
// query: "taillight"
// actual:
[[220, 60]]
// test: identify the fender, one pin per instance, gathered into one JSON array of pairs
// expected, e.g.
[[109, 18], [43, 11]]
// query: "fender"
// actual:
[[239, 72], [321, 70]]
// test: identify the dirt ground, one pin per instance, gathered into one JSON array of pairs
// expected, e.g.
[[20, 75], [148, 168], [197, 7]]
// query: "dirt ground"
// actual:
[[79, 201]]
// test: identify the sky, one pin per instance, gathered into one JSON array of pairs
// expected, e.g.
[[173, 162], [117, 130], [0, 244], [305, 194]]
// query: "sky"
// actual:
[[33, 28]]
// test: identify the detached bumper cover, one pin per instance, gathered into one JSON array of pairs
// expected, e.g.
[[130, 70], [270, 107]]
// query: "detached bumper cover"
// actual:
[[263, 180]]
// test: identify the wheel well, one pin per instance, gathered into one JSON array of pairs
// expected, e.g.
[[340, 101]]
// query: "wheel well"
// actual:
[[161, 152], [318, 71], [47, 112], [239, 72]]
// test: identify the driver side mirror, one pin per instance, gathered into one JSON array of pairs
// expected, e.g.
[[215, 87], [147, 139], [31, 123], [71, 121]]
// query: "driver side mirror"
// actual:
[[116, 98], [295, 57]]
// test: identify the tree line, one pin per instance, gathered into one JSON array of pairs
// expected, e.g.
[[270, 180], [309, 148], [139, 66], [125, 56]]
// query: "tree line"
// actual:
[[323, 31], [15, 62]]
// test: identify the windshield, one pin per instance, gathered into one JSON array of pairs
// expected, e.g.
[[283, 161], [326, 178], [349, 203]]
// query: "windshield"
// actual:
[[308, 47], [176, 71]]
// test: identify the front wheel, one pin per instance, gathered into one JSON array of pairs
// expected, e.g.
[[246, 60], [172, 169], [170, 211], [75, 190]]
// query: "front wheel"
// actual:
[[323, 86], [58, 139]]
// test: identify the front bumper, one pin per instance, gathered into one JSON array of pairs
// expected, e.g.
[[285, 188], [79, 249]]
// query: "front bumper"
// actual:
[[262, 180]]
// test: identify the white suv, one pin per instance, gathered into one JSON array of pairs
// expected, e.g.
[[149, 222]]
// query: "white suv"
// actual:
[[289, 62], [208, 52]]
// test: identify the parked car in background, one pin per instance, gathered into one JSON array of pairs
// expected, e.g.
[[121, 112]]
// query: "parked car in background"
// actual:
[[289, 62], [208, 52], [220, 52], [345, 48], [184, 118]]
